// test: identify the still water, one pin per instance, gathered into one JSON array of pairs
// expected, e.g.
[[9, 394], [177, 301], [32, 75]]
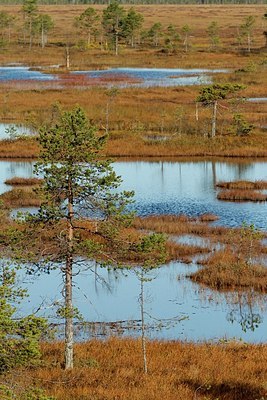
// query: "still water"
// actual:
[[137, 77], [165, 187], [150, 77]]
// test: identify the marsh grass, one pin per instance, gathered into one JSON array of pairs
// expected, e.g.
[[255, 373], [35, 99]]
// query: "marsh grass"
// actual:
[[112, 369], [20, 197], [226, 270], [19, 149], [18, 181], [243, 185], [241, 195]]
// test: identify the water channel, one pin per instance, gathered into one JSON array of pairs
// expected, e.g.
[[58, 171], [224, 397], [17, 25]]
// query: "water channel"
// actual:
[[165, 187]]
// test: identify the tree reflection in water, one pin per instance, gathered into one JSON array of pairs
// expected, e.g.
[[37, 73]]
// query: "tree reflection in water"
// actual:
[[246, 308]]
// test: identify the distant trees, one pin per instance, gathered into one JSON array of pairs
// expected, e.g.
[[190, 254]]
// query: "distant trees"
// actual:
[[246, 30], [186, 29], [87, 23], [117, 25], [35, 23], [43, 23], [29, 9], [172, 38], [131, 26], [6, 23], [211, 95], [213, 33], [112, 21]]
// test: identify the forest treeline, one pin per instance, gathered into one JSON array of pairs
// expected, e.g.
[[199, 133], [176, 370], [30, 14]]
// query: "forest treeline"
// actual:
[[132, 2], [115, 26]]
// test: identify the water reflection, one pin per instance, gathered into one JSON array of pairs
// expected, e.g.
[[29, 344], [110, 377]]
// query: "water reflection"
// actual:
[[11, 131], [203, 313], [165, 187], [188, 188], [9, 169], [246, 309], [178, 187]]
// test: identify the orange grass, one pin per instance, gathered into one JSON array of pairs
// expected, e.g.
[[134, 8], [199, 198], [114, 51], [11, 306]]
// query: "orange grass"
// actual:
[[20, 197], [241, 195], [226, 270], [198, 17], [136, 114], [243, 185], [112, 369], [180, 225], [17, 181], [19, 149], [184, 252], [129, 145]]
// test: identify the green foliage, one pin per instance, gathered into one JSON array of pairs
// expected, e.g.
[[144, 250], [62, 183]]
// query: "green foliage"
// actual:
[[172, 39], [217, 91], [155, 33], [87, 22], [43, 23], [35, 394], [186, 29], [241, 126], [112, 21], [70, 156], [6, 21], [246, 30], [152, 249], [132, 25], [213, 33], [29, 394], [29, 7], [19, 337]]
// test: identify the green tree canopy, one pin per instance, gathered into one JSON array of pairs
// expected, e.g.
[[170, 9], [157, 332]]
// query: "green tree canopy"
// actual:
[[87, 22], [112, 21], [19, 337]]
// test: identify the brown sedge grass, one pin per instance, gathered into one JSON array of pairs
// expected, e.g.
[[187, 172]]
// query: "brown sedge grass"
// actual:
[[112, 369]]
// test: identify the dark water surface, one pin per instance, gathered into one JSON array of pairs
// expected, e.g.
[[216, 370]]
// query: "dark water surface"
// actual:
[[166, 187]]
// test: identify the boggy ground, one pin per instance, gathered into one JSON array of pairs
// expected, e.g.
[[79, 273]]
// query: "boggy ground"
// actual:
[[233, 257], [113, 370], [158, 122]]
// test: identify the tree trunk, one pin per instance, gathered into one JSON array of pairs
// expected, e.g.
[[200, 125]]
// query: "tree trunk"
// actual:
[[214, 117], [67, 55], [68, 312], [249, 42], [116, 43], [30, 29], [43, 37], [143, 324], [68, 285]]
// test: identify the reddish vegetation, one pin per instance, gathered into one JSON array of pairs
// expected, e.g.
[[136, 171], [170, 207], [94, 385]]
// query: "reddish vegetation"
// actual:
[[85, 80]]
